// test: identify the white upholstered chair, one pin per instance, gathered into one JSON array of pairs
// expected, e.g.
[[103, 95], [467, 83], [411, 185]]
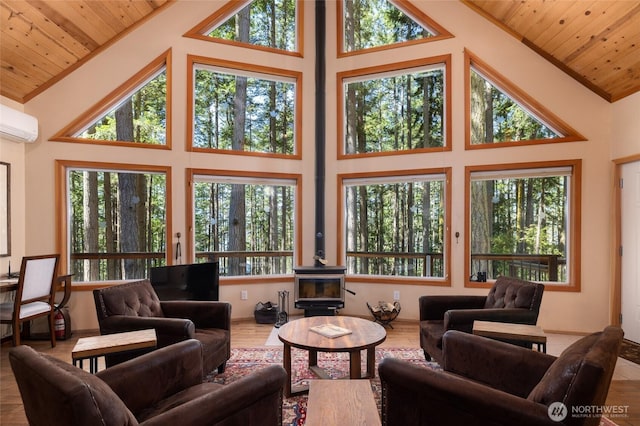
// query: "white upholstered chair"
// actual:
[[34, 295]]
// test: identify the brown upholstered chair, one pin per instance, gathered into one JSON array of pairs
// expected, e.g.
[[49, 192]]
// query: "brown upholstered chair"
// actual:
[[135, 306], [163, 387], [509, 300], [487, 382]]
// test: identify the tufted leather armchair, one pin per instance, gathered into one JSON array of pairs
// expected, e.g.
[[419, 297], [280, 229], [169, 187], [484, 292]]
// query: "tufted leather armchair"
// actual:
[[487, 382], [163, 387], [135, 306], [509, 300]]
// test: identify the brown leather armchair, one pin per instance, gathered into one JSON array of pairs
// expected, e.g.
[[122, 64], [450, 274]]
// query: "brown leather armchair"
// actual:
[[487, 382], [135, 306], [163, 387], [509, 300]]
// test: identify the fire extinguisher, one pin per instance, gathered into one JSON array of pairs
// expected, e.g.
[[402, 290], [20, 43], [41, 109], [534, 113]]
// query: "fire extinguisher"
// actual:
[[59, 325]]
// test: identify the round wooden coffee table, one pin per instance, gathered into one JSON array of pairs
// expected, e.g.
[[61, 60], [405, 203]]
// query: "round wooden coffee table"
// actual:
[[364, 334]]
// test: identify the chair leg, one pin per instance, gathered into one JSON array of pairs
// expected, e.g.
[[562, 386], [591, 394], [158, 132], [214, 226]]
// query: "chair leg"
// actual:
[[427, 356], [222, 367], [15, 338]]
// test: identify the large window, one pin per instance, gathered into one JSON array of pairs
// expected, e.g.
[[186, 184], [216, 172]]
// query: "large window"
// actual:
[[401, 107], [524, 222], [244, 111], [248, 223], [116, 221], [396, 223]]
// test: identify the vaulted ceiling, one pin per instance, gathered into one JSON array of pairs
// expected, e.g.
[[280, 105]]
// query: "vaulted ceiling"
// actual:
[[596, 42]]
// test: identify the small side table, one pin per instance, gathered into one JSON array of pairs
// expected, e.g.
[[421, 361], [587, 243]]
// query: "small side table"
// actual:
[[341, 402], [509, 331], [92, 348]]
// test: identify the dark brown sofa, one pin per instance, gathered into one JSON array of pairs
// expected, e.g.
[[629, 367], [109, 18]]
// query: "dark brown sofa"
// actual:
[[163, 387], [487, 382], [135, 306], [509, 300]]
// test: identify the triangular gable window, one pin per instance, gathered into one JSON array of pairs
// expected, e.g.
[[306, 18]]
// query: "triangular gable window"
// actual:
[[367, 25], [500, 114], [263, 24], [136, 113]]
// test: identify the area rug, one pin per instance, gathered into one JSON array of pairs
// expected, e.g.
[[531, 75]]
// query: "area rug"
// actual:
[[336, 364], [630, 351]]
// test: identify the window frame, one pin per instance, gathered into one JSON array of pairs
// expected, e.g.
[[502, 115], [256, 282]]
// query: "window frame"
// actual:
[[391, 69], [522, 98], [574, 226], [125, 90], [409, 9], [396, 176], [193, 173], [201, 30], [241, 68], [63, 213]]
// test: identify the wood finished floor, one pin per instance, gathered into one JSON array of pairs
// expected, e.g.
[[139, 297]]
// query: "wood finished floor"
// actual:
[[246, 334]]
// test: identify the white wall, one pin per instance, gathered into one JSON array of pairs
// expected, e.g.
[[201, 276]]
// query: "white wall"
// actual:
[[585, 311], [625, 128]]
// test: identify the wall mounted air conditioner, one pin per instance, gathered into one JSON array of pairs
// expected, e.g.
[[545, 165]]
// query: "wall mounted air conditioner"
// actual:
[[17, 126]]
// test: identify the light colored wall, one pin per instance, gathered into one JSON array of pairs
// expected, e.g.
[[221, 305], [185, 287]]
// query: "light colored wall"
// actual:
[[585, 311], [625, 128]]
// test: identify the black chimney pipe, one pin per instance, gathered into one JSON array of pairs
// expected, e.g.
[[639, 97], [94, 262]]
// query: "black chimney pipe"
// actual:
[[320, 132]]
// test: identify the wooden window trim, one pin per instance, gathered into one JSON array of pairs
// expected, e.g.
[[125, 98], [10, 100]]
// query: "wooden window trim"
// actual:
[[406, 7], [574, 246], [398, 66], [445, 281], [193, 60], [518, 95], [61, 190], [191, 173], [105, 104], [232, 7]]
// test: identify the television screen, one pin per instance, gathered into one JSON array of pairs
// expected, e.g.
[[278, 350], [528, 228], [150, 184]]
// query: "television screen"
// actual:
[[197, 281]]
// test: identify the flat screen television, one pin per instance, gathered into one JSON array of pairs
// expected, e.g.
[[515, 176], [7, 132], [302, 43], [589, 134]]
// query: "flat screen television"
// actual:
[[196, 281]]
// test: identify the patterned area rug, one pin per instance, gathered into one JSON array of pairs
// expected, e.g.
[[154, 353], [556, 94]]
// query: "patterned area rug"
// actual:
[[630, 351], [245, 361], [336, 364]]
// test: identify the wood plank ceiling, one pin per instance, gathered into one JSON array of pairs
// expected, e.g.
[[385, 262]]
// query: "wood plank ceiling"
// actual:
[[596, 42]]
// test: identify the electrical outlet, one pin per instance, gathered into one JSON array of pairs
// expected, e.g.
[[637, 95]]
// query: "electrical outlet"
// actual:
[[244, 295], [396, 295]]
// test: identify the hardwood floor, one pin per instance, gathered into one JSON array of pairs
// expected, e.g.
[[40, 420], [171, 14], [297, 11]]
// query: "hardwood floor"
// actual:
[[246, 333]]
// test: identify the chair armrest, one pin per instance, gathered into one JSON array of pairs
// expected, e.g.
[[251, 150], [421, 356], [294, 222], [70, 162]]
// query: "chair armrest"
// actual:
[[204, 314], [255, 399], [414, 395], [161, 373], [434, 307], [177, 328], [493, 363], [463, 319]]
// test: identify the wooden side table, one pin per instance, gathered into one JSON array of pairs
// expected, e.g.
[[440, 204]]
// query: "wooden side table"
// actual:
[[92, 348], [509, 331], [341, 402]]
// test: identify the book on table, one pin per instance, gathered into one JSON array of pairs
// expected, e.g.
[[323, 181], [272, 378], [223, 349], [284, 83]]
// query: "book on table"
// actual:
[[330, 330]]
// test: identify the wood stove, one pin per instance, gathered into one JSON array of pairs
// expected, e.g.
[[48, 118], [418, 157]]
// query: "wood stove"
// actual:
[[319, 290]]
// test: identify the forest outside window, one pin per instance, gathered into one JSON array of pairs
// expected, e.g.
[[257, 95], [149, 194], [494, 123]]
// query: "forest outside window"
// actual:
[[244, 111], [401, 108], [247, 223], [116, 228], [524, 222], [397, 225]]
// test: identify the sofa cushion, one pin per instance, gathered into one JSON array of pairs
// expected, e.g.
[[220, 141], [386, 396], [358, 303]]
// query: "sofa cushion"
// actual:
[[132, 299], [51, 387], [510, 293], [580, 372]]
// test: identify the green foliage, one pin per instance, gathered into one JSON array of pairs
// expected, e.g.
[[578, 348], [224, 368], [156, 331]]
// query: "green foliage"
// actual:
[[149, 116], [272, 23]]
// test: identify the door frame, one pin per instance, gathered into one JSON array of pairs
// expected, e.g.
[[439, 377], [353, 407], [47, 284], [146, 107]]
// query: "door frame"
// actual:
[[616, 289]]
